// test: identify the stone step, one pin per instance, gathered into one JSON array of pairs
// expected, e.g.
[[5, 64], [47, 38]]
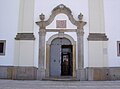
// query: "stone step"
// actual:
[[61, 79]]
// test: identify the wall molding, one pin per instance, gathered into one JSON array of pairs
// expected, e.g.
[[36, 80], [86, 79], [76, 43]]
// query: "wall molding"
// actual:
[[25, 36], [97, 37]]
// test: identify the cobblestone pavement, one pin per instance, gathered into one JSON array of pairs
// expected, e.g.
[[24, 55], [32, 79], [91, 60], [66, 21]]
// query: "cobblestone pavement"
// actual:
[[19, 84]]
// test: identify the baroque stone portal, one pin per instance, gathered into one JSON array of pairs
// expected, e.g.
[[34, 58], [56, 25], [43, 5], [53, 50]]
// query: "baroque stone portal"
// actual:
[[42, 33]]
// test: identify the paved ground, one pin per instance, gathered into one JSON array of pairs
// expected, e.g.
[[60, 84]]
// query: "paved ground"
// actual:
[[15, 84]]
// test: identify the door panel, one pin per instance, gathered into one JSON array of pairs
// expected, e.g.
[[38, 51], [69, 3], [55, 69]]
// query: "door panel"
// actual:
[[55, 61]]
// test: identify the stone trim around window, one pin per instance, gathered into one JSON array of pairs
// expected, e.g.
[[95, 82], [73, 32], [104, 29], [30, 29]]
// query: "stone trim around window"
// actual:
[[2, 49], [118, 48]]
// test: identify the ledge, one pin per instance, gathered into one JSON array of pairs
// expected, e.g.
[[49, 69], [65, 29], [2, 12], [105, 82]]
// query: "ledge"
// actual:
[[25, 36], [97, 37]]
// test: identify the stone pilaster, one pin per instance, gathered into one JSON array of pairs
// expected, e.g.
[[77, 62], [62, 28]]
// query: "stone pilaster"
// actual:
[[80, 34], [41, 69], [80, 50], [42, 34]]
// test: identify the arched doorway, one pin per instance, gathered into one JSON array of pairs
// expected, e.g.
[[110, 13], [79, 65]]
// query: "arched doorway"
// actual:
[[58, 50], [45, 72], [60, 57]]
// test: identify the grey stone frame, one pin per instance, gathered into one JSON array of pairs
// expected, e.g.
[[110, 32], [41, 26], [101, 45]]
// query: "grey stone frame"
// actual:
[[42, 33], [73, 43], [118, 47], [4, 47]]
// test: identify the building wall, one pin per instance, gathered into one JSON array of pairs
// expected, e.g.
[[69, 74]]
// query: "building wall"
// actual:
[[77, 7], [112, 18], [9, 13], [9, 28]]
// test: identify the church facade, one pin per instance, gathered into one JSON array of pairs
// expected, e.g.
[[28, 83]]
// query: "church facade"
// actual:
[[77, 40]]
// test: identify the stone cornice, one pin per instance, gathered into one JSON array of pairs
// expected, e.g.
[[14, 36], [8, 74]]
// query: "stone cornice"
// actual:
[[97, 37], [25, 36]]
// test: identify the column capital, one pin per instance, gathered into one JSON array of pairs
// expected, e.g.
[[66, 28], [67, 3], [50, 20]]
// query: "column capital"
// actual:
[[80, 32], [81, 24], [41, 24]]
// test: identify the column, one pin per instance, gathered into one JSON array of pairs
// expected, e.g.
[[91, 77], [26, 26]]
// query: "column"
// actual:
[[80, 51], [41, 69], [42, 34], [80, 47]]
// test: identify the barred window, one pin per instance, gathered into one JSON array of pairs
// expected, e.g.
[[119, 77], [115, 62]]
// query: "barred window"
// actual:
[[2, 47]]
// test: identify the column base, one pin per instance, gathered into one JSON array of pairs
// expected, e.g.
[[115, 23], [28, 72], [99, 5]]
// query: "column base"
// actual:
[[81, 74], [40, 74]]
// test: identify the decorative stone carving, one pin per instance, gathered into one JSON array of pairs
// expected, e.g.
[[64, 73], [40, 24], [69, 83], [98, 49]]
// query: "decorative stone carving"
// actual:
[[80, 17], [57, 10], [81, 23], [61, 9], [42, 17]]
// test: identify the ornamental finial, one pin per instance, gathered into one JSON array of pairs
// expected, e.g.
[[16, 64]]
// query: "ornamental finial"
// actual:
[[42, 17], [80, 17]]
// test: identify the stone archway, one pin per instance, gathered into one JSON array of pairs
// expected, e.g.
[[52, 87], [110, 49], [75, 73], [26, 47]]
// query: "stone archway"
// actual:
[[42, 33], [73, 43]]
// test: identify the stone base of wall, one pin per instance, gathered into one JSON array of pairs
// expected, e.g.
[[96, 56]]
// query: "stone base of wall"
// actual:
[[103, 74], [23, 73], [6, 72], [88, 74]]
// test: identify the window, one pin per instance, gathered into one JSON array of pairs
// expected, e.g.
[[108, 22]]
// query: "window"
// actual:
[[118, 48], [2, 47]]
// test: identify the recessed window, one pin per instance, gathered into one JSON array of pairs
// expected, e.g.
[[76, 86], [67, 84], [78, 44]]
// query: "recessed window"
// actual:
[[118, 48], [2, 47]]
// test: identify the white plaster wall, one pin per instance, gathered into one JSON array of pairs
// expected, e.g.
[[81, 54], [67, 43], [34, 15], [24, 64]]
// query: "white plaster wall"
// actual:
[[96, 16], [77, 6], [98, 54], [26, 16], [26, 55], [9, 12], [112, 26]]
